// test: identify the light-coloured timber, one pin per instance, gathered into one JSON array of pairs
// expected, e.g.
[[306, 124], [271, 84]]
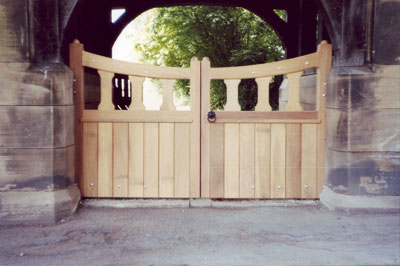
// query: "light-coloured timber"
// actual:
[[166, 164], [89, 188], [105, 165], [294, 92], [263, 161], [217, 161], [247, 161], [168, 94], [182, 161], [278, 160], [293, 161], [137, 93], [136, 151], [106, 90], [232, 95], [120, 159], [309, 161], [263, 95], [267, 117], [133, 69], [137, 116], [232, 161], [151, 162]]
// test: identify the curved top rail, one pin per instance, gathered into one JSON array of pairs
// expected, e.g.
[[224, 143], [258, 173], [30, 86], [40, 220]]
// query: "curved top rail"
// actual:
[[133, 69], [268, 69]]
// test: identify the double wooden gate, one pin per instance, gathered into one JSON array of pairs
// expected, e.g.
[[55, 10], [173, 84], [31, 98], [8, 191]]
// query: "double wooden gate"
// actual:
[[139, 153]]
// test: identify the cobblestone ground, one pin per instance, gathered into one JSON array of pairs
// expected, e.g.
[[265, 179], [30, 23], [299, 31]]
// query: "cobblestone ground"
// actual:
[[307, 235]]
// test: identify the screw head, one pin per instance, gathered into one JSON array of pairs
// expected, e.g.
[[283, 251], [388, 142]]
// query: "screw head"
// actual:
[[144, 187], [279, 67], [307, 63], [306, 186], [279, 187], [324, 94], [253, 187], [119, 186], [91, 184]]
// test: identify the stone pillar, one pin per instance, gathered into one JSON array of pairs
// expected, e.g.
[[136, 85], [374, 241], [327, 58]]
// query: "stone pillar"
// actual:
[[37, 180], [363, 111]]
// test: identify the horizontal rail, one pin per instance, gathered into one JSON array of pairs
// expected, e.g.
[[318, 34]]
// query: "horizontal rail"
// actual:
[[268, 69], [267, 117], [134, 69], [116, 116]]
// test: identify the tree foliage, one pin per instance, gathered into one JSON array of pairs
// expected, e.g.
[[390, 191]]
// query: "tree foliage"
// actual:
[[227, 36]]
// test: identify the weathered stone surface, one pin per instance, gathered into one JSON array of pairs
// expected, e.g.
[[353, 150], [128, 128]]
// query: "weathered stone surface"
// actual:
[[14, 31], [363, 130], [22, 86], [375, 87], [38, 207], [36, 169], [36, 126], [363, 173]]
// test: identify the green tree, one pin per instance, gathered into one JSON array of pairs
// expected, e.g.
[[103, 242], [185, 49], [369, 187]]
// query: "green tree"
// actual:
[[227, 36]]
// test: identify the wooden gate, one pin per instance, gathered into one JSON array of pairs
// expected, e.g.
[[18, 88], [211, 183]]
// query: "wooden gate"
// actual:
[[180, 154]]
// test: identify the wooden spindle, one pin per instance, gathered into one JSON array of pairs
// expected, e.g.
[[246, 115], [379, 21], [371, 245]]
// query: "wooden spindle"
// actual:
[[263, 95], [294, 92], [168, 94], [106, 90], [137, 93], [232, 95]]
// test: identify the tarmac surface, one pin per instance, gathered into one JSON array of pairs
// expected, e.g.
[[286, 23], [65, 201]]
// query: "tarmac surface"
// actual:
[[294, 235]]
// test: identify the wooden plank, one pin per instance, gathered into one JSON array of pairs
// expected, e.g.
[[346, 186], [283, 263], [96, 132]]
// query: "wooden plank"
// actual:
[[263, 95], [217, 161], [247, 161], [263, 161], [321, 158], [195, 154], [166, 165], [231, 163], [293, 161], [136, 142], [232, 95], [168, 94], [266, 70], [182, 160], [294, 92], [137, 93], [105, 164], [278, 160], [75, 63], [120, 159], [89, 177], [151, 160], [205, 128], [106, 90], [267, 117], [137, 116], [134, 69], [309, 161]]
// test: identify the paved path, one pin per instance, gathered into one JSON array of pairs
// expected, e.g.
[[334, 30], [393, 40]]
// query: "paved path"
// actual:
[[307, 235]]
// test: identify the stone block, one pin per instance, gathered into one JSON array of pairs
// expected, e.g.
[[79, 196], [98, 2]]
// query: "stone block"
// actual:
[[36, 169], [36, 126]]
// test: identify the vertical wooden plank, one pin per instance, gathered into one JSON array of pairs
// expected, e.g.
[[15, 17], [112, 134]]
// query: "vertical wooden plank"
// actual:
[[294, 92], [166, 167], [309, 161], [263, 161], [205, 129], [75, 62], [151, 160], [136, 160], [278, 160], [168, 94], [321, 157], [231, 163], [89, 178], [195, 108], [137, 93], [217, 161], [106, 90], [105, 161], [293, 161], [263, 95], [182, 160], [247, 161], [232, 95], [120, 160]]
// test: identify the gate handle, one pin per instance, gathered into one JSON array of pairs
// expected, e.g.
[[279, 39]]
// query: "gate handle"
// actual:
[[211, 117]]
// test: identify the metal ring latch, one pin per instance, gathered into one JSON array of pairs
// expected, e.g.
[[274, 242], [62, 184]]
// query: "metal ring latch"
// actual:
[[211, 117]]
